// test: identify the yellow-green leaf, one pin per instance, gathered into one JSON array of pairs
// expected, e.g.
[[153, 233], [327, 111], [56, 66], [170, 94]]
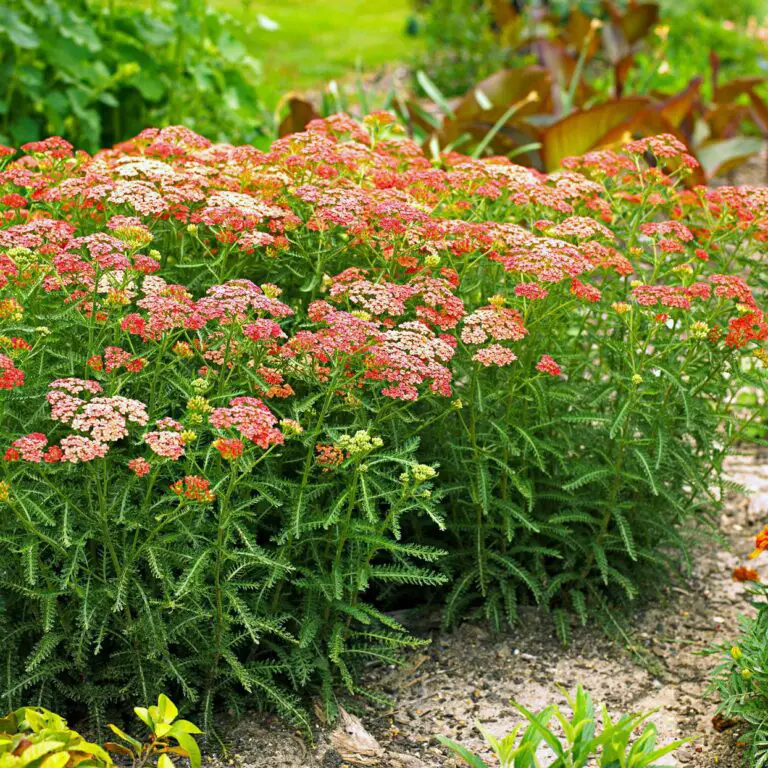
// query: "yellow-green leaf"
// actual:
[[56, 760]]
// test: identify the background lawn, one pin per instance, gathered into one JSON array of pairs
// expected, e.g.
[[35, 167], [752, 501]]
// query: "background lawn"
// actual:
[[319, 41]]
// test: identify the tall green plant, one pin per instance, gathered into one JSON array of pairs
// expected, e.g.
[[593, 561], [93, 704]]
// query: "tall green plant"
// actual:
[[99, 73], [619, 743]]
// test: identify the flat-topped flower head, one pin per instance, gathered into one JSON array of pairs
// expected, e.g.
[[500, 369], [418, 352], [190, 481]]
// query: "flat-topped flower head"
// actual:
[[495, 322], [194, 488], [31, 447], [139, 467], [548, 365], [229, 448], [494, 354], [10, 376], [251, 418], [167, 444]]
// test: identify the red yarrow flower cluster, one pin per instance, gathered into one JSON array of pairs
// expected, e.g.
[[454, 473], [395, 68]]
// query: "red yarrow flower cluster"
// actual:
[[10, 375], [494, 354], [548, 365], [194, 488], [166, 443], [229, 448], [139, 467]]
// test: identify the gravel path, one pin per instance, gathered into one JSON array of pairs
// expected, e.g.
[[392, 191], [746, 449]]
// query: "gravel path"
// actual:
[[472, 674]]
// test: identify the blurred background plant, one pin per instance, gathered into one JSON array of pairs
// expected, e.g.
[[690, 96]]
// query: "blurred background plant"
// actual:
[[575, 77], [97, 73], [466, 40], [461, 44]]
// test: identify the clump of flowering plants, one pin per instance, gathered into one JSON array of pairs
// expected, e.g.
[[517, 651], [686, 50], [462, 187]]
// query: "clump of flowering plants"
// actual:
[[252, 400]]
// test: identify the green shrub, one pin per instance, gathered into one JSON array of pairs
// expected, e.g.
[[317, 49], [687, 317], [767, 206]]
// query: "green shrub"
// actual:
[[614, 744], [98, 73], [252, 402]]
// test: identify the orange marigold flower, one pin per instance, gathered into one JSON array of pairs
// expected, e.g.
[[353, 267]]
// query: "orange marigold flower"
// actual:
[[761, 543], [742, 573]]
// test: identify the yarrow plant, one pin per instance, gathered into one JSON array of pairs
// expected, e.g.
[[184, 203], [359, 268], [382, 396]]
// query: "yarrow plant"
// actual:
[[740, 677], [254, 400]]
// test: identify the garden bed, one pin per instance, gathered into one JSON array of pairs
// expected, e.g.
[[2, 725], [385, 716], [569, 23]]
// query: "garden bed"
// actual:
[[425, 405], [472, 674]]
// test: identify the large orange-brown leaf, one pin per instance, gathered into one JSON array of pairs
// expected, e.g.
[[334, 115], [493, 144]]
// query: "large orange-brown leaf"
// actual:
[[724, 119], [507, 87], [300, 114], [728, 92], [584, 130], [562, 67], [638, 21], [621, 71], [624, 30], [579, 30], [615, 44], [676, 108], [645, 122], [422, 115], [503, 13], [759, 112], [515, 133], [612, 10], [556, 59], [651, 122], [509, 138]]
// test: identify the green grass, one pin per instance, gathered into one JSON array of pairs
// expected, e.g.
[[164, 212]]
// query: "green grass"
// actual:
[[323, 40]]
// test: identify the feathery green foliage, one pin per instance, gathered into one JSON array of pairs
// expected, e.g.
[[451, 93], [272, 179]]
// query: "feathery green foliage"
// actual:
[[474, 384]]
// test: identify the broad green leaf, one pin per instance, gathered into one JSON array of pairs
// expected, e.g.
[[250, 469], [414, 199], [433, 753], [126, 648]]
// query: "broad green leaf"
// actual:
[[189, 745], [18, 31], [716, 157], [463, 753], [124, 736], [56, 760], [168, 710]]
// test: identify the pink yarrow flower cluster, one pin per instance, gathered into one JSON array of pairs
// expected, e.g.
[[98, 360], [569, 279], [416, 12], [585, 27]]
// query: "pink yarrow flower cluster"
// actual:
[[251, 418]]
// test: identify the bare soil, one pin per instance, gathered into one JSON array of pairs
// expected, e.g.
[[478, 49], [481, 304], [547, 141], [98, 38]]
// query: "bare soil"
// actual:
[[471, 674]]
